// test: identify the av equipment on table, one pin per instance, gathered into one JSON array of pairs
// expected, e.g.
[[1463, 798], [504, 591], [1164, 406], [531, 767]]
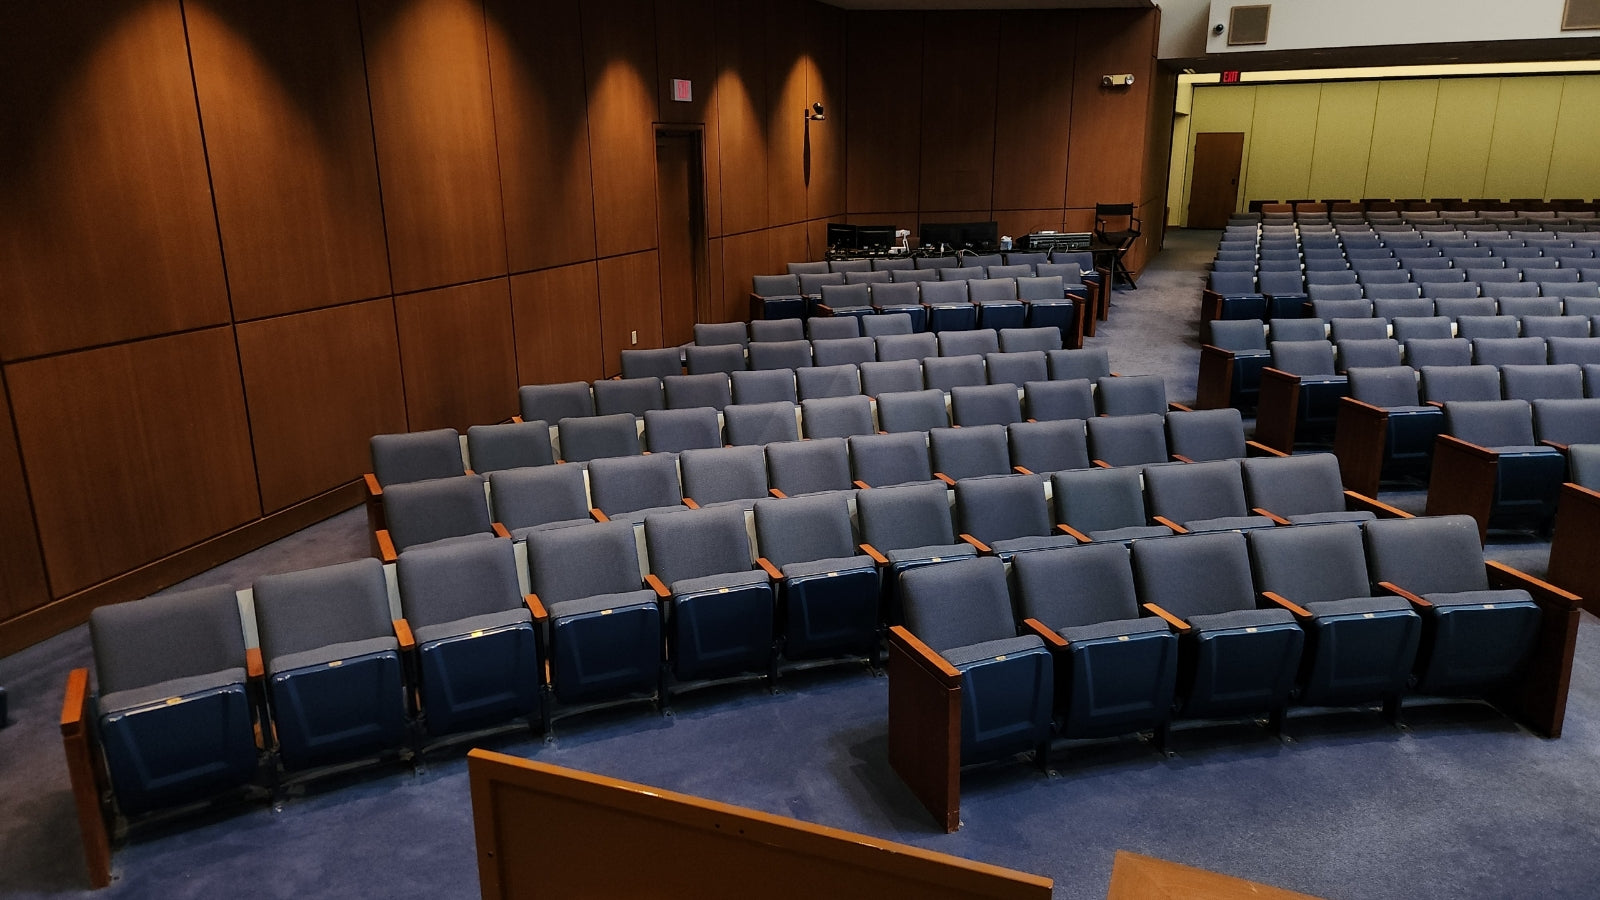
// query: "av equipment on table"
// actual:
[[1069, 241]]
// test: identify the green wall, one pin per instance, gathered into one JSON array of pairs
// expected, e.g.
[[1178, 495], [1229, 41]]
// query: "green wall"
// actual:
[[1498, 137]]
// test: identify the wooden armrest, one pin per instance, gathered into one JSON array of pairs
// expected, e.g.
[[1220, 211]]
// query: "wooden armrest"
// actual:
[[1364, 407], [861, 484], [873, 553], [1404, 594], [1179, 457], [254, 668], [777, 493], [945, 478], [386, 551], [1543, 592], [597, 515], [374, 489], [535, 607], [75, 704], [1561, 447], [402, 633], [1438, 403], [1102, 464], [1382, 510], [771, 570], [1069, 530], [1452, 442], [1021, 470], [1176, 528], [1177, 624], [1276, 519], [1299, 611], [517, 419], [656, 585], [1175, 406], [1252, 448], [978, 545], [689, 502], [1051, 639], [500, 530], [924, 657]]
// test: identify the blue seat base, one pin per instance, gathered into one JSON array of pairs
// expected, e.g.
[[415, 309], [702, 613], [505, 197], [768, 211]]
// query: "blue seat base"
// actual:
[[338, 711], [477, 679], [164, 754]]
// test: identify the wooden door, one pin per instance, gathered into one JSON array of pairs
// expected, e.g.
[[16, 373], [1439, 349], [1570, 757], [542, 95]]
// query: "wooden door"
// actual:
[[1214, 184], [681, 232]]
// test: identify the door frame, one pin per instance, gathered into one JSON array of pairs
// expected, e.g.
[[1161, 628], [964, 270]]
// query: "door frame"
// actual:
[[700, 204]]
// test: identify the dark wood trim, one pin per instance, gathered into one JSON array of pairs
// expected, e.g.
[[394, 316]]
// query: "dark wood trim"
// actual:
[[73, 609]]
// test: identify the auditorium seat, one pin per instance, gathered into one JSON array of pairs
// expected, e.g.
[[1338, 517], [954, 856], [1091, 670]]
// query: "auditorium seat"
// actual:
[[604, 627], [475, 650]]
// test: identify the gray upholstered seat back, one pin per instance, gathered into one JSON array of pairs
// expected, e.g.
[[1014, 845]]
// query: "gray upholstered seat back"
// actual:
[[674, 430], [881, 460], [978, 341], [417, 456], [554, 402], [958, 603], [524, 498], [711, 389], [806, 467], [1194, 574], [425, 511], [1206, 434], [1206, 490], [1004, 508], [1490, 423], [1099, 499], [1294, 485], [908, 515], [1385, 386], [510, 445], [803, 529], [1074, 586], [723, 474], [968, 452], [312, 608], [1310, 563], [697, 543], [627, 483], [166, 637], [593, 437], [1425, 555], [457, 581], [584, 561]]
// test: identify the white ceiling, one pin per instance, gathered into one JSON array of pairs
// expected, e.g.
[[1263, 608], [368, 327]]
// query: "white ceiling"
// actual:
[[990, 4]]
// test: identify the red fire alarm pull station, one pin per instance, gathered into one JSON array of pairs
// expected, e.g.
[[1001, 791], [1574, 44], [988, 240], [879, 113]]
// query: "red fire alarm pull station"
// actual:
[[682, 90], [1230, 77]]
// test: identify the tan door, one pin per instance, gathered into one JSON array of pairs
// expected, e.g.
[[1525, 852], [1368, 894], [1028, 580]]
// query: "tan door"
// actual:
[[1214, 185], [685, 290]]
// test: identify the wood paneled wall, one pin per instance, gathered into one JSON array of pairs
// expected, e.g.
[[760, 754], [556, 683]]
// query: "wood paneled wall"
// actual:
[[960, 116], [236, 240]]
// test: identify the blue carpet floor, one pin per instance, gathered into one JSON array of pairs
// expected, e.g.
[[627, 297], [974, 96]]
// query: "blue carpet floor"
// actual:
[[1460, 804]]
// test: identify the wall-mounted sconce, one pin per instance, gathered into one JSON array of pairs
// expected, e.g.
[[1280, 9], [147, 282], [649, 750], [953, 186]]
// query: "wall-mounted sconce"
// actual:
[[1116, 80], [814, 113]]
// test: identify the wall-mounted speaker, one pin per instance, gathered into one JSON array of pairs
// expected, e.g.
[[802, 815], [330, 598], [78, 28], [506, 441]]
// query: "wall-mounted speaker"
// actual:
[[1248, 24], [1581, 15]]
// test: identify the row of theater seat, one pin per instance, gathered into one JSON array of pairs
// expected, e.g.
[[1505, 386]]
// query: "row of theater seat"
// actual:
[[937, 299], [336, 680], [826, 349], [518, 500], [1098, 640]]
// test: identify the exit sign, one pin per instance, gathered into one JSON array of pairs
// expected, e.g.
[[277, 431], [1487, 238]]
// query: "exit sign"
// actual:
[[683, 90], [1230, 77]]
